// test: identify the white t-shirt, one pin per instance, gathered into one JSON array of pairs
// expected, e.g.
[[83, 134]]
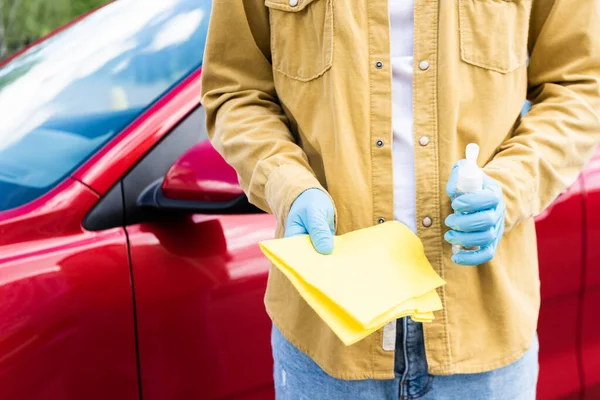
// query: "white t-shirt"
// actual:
[[402, 38]]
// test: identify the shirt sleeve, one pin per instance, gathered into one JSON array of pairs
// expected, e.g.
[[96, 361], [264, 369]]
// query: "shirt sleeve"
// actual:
[[558, 135], [244, 119]]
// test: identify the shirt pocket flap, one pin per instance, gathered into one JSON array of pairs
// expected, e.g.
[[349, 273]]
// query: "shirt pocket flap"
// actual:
[[289, 5], [301, 37], [493, 33]]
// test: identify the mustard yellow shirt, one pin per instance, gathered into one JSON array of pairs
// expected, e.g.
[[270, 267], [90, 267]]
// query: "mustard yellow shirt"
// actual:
[[298, 95]]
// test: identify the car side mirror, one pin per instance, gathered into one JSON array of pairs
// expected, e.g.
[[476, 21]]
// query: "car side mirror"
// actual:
[[199, 182]]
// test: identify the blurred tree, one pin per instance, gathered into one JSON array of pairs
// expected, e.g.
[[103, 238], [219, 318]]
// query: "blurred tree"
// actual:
[[23, 21]]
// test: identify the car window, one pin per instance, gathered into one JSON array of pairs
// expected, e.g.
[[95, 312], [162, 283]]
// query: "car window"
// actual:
[[65, 98]]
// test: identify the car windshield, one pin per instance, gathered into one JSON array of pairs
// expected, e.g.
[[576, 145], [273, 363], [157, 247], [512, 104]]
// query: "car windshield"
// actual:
[[64, 98]]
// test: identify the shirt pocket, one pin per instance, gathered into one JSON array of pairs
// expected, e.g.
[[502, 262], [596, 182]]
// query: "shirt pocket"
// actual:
[[301, 37], [494, 33]]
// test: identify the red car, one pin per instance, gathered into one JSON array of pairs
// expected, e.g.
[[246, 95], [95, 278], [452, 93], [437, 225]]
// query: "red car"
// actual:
[[129, 265]]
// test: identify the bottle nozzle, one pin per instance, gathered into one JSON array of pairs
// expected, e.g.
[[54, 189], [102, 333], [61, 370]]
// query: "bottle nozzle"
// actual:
[[470, 176], [472, 153]]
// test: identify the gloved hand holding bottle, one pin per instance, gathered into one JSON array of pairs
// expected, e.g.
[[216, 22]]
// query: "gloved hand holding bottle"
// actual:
[[313, 213], [477, 224]]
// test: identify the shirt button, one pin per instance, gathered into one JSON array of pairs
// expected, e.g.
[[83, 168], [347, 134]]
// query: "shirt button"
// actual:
[[379, 143], [293, 3], [378, 64], [427, 222], [381, 220], [423, 140], [424, 65]]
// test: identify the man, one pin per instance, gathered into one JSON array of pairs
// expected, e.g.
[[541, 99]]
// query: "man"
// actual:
[[342, 114]]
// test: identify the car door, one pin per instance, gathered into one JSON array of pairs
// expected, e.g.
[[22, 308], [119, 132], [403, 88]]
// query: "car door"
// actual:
[[199, 283], [560, 244], [590, 328]]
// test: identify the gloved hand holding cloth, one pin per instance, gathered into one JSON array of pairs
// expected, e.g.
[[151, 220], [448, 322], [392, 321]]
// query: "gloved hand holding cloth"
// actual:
[[359, 281], [313, 213]]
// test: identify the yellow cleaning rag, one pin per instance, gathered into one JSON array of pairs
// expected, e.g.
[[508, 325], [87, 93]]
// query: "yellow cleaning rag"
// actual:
[[374, 275]]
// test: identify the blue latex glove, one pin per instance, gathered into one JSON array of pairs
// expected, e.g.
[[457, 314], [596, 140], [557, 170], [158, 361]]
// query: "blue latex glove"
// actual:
[[313, 213], [478, 220]]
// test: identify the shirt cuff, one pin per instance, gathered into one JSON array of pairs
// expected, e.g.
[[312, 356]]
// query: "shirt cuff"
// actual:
[[284, 185]]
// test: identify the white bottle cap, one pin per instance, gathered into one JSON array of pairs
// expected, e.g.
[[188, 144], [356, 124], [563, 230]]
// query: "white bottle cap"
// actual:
[[470, 176]]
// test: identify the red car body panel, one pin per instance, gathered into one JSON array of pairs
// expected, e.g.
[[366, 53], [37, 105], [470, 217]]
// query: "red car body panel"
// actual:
[[202, 329], [590, 322], [174, 309], [66, 327], [560, 241]]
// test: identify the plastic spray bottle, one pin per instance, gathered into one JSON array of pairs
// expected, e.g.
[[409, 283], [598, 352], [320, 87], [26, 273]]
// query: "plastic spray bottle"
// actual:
[[470, 180]]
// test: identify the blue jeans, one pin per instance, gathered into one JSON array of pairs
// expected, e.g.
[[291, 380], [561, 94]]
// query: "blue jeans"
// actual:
[[298, 377]]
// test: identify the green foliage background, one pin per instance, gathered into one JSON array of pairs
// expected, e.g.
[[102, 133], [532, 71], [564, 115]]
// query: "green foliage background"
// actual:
[[23, 21]]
